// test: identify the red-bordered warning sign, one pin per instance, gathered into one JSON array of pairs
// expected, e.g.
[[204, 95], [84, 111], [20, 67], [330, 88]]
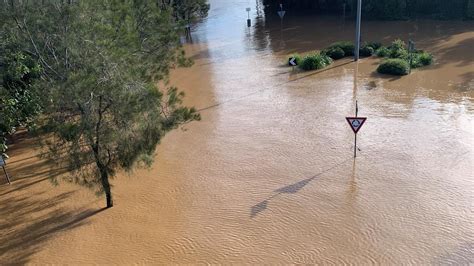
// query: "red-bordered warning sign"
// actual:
[[356, 123]]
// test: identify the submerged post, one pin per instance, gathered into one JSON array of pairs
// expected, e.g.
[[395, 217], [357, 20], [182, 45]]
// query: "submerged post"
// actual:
[[358, 22], [2, 164], [411, 49], [356, 123], [249, 22], [6, 174], [355, 135]]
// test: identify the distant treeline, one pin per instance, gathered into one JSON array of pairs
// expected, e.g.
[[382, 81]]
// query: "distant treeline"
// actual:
[[383, 9]]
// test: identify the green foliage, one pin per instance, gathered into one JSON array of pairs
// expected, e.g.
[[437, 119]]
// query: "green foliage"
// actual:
[[398, 49], [388, 9], [347, 47], [374, 45], [402, 9], [100, 63], [414, 61], [420, 58], [385, 9], [186, 10], [334, 52], [398, 67], [382, 52], [19, 101], [315, 61], [366, 51], [470, 9], [425, 58], [342, 49]]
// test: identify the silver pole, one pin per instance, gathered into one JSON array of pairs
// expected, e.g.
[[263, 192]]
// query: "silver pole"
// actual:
[[357, 41]]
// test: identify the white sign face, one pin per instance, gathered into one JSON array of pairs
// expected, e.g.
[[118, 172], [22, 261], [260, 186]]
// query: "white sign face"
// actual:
[[281, 14], [2, 162], [292, 61], [356, 122]]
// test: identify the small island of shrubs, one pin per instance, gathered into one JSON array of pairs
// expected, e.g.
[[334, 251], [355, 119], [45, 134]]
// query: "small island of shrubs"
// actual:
[[397, 59]]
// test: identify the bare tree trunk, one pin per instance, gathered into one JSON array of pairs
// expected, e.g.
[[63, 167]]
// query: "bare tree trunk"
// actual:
[[104, 178]]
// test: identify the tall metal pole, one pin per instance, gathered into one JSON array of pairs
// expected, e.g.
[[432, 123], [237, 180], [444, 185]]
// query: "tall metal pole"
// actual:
[[357, 40]]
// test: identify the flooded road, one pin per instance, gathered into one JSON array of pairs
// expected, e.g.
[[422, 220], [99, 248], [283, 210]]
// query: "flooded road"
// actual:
[[268, 174]]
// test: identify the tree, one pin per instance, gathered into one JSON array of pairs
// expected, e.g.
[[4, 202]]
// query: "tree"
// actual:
[[186, 10], [19, 99], [384, 9], [101, 62]]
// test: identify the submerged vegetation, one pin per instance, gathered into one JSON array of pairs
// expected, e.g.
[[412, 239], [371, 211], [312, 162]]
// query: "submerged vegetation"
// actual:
[[315, 61], [394, 66], [336, 48], [398, 59]]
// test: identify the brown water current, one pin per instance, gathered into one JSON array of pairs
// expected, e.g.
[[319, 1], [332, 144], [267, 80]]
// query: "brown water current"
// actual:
[[268, 175]]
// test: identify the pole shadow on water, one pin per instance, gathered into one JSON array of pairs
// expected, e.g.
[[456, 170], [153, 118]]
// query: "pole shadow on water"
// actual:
[[290, 189]]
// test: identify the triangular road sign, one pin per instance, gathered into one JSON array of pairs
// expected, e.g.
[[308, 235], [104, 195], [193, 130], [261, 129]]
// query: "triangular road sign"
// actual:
[[281, 14], [356, 123]]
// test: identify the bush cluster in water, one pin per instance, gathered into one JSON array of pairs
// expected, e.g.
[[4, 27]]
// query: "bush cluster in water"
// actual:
[[315, 61], [340, 50], [397, 50], [394, 66], [398, 59]]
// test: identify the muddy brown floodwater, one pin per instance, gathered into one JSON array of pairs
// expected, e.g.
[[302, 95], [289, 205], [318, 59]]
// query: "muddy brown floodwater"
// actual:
[[268, 174]]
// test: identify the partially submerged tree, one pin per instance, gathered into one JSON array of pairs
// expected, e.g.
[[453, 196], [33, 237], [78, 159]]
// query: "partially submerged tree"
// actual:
[[186, 10], [102, 61]]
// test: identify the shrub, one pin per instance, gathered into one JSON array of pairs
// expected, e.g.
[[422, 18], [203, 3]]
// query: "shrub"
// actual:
[[374, 45], [415, 61], [399, 53], [366, 51], [334, 52], [420, 59], [298, 59], [397, 66], [397, 44], [347, 47], [382, 52], [315, 61], [398, 49], [425, 58], [326, 59]]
